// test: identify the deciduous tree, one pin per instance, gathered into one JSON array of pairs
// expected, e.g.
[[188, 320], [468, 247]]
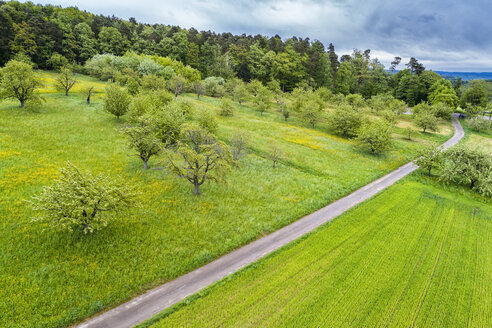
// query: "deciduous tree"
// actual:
[[66, 80], [345, 121], [116, 101], [429, 158], [375, 136], [198, 89], [143, 138], [466, 165], [275, 155], [226, 108], [239, 143], [200, 157], [18, 81], [426, 121], [176, 85], [80, 200]]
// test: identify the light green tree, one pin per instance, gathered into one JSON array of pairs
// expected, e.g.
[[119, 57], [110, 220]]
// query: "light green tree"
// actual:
[[466, 165], [207, 121], [200, 157], [57, 61], [274, 87], [18, 81], [226, 108], [443, 92], [23, 41], [476, 95], [153, 82], [112, 41], [132, 86], [480, 124], [426, 121], [375, 136], [116, 101], [143, 138], [442, 110], [241, 93], [262, 99], [311, 113], [80, 200], [397, 106], [198, 88]]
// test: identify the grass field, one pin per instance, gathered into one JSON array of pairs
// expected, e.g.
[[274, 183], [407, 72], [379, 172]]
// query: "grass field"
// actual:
[[481, 140], [53, 279], [416, 255]]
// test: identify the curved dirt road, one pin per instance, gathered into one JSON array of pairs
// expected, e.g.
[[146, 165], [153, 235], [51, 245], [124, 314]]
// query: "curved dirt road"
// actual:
[[154, 301]]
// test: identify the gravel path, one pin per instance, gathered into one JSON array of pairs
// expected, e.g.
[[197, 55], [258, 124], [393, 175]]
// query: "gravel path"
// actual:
[[154, 301]]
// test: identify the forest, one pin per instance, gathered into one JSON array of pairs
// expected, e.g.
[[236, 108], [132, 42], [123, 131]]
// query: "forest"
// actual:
[[53, 37]]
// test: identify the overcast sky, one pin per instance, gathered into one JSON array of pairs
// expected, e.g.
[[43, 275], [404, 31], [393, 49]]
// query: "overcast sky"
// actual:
[[445, 35]]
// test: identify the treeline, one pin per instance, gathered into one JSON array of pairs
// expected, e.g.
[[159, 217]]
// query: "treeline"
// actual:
[[53, 36]]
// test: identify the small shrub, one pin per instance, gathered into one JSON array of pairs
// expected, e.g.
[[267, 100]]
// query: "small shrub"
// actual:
[[480, 124], [207, 121], [408, 133], [226, 108]]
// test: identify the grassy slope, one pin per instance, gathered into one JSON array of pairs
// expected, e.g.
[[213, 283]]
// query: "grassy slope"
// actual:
[[414, 255], [53, 279], [481, 140]]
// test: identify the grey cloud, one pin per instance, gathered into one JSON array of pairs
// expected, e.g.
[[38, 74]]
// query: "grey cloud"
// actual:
[[446, 34]]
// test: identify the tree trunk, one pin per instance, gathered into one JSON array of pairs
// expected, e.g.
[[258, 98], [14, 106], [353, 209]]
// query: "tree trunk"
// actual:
[[85, 227], [22, 103], [118, 119], [430, 168], [145, 163], [197, 189], [66, 93]]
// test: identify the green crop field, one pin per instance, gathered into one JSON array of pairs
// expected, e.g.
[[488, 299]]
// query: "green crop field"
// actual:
[[53, 279], [416, 255]]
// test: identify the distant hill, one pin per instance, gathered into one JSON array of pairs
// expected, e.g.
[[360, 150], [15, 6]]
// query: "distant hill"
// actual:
[[466, 76]]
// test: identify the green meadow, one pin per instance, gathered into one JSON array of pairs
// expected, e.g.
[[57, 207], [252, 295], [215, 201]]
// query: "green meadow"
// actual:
[[54, 279]]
